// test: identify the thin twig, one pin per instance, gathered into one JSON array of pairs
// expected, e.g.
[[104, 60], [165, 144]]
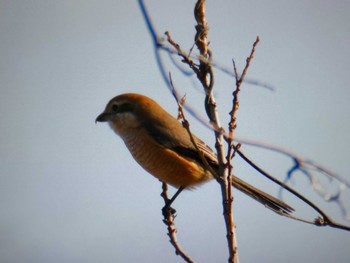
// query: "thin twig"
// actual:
[[156, 42], [293, 156], [306, 167], [231, 150], [326, 220], [169, 221], [186, 125], [235, 103], [185, 58]]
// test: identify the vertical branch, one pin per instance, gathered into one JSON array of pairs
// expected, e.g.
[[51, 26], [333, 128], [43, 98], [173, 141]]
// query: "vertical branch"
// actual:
[[207, 79], [233, 121], [201, 38], [232, 126], [235, 103]]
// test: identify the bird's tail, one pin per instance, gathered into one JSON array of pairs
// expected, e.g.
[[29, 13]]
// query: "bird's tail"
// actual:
[[267, 200]]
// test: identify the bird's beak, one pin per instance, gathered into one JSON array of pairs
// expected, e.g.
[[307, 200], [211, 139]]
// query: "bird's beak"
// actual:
[[103, 117]]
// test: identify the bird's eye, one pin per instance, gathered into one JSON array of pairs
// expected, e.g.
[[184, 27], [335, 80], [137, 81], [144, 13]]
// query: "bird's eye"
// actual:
[[115, 107]]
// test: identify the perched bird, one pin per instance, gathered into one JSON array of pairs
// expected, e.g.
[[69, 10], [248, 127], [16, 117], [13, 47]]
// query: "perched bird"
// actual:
[[162, 146]]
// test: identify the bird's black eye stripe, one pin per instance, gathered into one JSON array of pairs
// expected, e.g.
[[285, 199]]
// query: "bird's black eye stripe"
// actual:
[[122, 107]]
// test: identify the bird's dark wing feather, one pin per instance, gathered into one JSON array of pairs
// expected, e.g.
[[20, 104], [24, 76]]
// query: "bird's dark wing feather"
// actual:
[[178, 140]]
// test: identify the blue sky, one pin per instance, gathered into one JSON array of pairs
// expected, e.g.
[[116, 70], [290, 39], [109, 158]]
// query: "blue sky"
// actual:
[[70, 191]]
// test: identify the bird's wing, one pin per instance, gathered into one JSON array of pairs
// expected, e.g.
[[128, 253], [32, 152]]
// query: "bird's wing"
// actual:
[[178, 139]]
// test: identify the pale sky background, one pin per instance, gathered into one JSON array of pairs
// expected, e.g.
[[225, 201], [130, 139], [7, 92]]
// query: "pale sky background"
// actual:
[[69, 190]]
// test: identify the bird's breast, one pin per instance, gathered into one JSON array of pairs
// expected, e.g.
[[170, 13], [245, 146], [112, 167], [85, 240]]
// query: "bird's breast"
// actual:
[[164, 163]]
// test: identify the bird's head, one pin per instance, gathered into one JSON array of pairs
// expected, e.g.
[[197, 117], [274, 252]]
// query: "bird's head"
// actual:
[[130, 111]]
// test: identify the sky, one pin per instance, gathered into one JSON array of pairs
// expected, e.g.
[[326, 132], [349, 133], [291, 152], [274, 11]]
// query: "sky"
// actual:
[[69, 189]]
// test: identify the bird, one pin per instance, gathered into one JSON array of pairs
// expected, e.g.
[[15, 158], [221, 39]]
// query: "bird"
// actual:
[[163, 147]]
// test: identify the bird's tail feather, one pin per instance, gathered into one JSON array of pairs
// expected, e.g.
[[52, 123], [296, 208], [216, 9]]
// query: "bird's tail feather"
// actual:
[[267, 200]]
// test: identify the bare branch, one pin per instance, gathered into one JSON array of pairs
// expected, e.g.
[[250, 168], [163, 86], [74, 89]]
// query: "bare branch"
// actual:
[[235, 103], [229, 166], [308, 167], [169, 221], [207, 79], [185, 58], [186, 125], [326, 220], [156, 42]]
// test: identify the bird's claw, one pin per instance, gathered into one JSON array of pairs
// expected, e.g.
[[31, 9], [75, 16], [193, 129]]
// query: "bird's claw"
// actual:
[[168, 211]]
